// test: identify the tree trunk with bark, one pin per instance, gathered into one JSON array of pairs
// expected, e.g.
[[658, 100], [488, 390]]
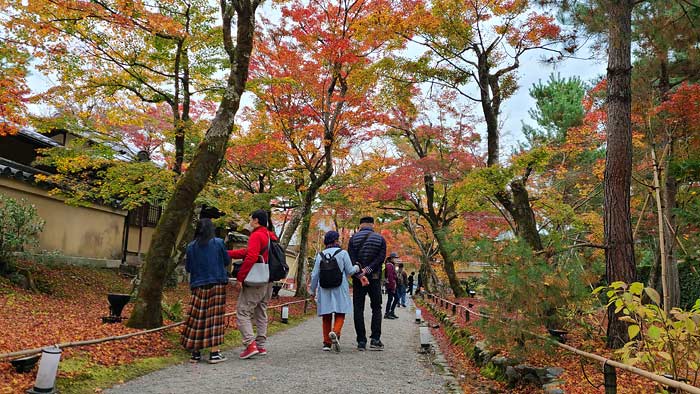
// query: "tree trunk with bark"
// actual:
[[428, 278], [302, 267], [619, 252], [669, 200], [291, 227], [174, 222], [448, 263], [517, 203], [669, 192]]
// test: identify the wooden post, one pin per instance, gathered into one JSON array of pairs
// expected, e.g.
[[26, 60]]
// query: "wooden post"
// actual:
[[454, 308], [306, 305], [609, 379]]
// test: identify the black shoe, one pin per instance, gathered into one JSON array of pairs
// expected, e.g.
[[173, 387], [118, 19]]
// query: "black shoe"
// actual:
[[216, 357], [196, 357], [376, 344], [393, 316], [387, 316], [361, 346]]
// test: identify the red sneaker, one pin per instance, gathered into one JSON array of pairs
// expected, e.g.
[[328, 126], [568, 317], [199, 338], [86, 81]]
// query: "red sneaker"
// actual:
[[250, 351], [262, 351]]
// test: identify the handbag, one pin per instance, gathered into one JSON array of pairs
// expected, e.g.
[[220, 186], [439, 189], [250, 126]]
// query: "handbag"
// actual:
[[259, 274]]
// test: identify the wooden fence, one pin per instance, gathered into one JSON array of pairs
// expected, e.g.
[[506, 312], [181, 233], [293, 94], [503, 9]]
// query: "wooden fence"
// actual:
[[609, 366]]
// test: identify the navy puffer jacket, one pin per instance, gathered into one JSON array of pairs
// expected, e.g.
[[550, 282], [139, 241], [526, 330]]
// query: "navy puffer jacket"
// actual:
[[368, 249]]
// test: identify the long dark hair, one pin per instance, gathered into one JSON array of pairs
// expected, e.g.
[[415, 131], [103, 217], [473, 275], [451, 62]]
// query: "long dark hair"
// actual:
[[204, 232]]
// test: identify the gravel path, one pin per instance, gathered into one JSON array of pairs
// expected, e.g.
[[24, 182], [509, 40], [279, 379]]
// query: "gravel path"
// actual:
[[295, 363]]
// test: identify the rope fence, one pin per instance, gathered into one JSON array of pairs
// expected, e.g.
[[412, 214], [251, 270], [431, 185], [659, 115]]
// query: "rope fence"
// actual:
[[608, 364], [29, 352]]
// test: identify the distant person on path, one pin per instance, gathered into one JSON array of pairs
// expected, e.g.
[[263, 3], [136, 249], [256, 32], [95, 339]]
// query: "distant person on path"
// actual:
[[410, 283], [206, 262], [333, 300], [252, 300], [401, 281], [367, 249], [390, 275]]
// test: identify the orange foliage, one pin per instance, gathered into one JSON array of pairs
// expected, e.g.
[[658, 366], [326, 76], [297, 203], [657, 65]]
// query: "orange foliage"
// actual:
[[73, 313]]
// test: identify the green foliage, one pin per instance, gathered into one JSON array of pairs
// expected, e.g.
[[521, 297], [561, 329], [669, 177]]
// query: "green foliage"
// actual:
[[535, 158], [174, 312], [529, 291], [558, 107], [493, 372], [480, 184], [20, 225], [88, 172], [663, 343], [689, 276], [688, 172]]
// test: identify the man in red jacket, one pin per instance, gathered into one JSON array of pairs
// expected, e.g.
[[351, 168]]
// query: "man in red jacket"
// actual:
[[252, 300]]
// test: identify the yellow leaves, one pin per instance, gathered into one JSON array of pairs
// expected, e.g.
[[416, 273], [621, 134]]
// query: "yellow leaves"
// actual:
[[633, 331], [654, 332], [653, 295]]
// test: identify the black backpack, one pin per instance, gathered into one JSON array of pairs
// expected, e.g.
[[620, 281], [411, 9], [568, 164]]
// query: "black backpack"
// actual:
[[277, 261], [330, 275]]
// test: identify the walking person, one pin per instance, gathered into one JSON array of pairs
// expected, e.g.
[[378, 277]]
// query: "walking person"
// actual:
[[329, 281], [206, 260], [367, 249], [390, 275], [410, 283], [253, 299], [401, 281]]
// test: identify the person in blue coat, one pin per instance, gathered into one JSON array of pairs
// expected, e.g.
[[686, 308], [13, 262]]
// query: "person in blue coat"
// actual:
[[332, 301]]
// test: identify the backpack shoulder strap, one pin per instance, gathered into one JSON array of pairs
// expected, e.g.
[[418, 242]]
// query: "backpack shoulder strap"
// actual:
[[337, 251], [266, 247]]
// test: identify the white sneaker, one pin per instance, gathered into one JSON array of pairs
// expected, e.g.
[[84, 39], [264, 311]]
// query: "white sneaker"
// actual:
[[326, 348], [335, 342]]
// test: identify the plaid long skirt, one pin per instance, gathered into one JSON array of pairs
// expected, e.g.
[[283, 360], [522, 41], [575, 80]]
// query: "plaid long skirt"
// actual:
[[204, 326]]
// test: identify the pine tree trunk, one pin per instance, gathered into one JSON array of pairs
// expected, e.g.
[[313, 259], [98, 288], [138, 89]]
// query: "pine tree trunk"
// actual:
[[619, 252], [173, 224]]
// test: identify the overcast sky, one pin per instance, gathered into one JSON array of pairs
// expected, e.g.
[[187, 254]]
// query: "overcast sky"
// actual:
[[514, 110]]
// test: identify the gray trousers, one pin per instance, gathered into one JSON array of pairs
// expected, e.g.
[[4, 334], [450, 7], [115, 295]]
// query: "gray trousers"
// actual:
[[252, 307]]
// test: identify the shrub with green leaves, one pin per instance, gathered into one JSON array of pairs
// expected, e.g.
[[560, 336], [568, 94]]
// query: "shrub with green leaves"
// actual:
[[19, 227], [530, 290], [665, 343]]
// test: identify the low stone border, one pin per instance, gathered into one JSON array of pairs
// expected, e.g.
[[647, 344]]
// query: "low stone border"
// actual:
[[495, 366]]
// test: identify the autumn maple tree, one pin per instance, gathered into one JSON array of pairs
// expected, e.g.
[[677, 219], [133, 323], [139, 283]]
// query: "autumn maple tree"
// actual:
[[481, 43], [433, 155], [14, 91], [91, 49], [313, 73], [177, 214]]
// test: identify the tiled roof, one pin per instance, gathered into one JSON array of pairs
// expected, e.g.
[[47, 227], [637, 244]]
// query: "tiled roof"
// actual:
[[11, 169], [30, 133]]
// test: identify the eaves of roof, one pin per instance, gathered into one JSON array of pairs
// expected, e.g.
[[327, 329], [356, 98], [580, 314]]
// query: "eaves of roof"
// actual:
[[11, 169]]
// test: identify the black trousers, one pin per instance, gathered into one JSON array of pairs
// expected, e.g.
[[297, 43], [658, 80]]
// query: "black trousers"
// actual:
[[389, 300], [374, 289]]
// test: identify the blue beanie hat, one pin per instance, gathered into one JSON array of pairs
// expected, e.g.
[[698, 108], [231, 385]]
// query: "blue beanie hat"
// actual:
[[331, 237]]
